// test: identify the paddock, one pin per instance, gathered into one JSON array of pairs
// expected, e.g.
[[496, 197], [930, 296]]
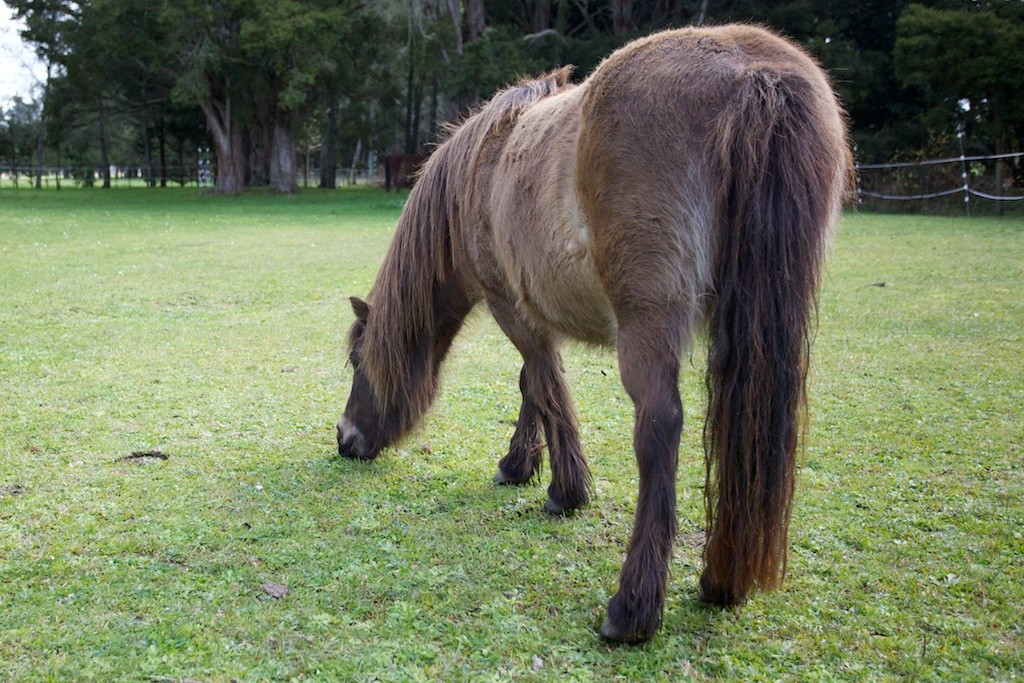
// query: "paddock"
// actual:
[[212, 331]]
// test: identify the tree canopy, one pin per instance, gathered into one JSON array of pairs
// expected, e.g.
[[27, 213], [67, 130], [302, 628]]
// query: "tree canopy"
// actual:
[[256, 80]]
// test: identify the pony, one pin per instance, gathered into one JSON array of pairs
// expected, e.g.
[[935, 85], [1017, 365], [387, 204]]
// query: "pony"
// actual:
[[400, 170], [691, 183]]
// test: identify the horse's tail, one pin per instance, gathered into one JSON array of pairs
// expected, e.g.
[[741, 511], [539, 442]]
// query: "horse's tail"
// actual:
[[781, 148]]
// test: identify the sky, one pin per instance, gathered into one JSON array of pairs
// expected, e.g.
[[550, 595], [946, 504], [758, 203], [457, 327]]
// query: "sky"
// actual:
[[20, 70]]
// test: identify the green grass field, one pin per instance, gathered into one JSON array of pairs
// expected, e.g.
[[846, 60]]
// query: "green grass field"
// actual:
[[212, 330]]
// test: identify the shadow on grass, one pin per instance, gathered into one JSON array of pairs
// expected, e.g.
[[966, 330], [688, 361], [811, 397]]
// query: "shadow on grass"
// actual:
[[458, 555]]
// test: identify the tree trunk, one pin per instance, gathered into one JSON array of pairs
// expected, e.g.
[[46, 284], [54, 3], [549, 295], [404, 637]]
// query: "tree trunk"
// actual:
[[997, 116], [699, 21], [475, 19], [104, 157], [14, 154], [40, 150], [435, 89], [329, 164], [261, 142], [283, 156], [541, 16], [228, 145], [182, 180], [622, 17], [455, 12], [41, 132], [562, 17], [148, 149], [162, 136], [417, 111], [353, 173], [305, 163], [668, 12], [410, 96]]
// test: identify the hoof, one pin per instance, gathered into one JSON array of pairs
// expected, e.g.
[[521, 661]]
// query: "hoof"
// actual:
[[554, 508], [501, 479], [560, 506], [612, 633], [557, 509], [519, 466], [630, 627], [715, 595]]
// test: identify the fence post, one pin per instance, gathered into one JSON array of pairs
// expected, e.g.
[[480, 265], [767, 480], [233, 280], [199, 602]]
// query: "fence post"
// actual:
[[856, 179], [963, 172]]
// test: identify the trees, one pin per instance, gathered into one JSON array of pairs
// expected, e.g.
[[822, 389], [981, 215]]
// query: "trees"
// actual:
[[292, 45], [20, 126], [381, 75], [970, 65], [253, 67], [44, 21], [107, 71]]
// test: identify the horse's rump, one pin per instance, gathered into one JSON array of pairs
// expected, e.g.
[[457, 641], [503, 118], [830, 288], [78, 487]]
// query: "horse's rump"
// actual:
[[605, 193]]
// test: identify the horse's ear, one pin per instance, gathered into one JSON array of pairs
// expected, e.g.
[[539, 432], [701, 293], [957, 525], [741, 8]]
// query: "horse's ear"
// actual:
[[360, 308]]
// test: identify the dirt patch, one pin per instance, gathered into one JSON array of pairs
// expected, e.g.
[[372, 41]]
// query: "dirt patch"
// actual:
[[694, 540], [11, 490], [143, 457], [276, 590]]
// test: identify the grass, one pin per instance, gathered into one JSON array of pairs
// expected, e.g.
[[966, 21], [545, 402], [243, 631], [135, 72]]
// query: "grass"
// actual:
[[211, 330]]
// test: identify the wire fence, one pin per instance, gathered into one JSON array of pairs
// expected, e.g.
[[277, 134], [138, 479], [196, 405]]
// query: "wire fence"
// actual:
[[948, 185], [955, 184], [63, 177], [199, 176]]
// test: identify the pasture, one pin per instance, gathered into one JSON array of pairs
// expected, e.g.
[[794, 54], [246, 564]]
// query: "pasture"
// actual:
[[172, 506]]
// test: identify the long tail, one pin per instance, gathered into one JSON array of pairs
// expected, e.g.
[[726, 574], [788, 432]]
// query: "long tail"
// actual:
[[782, 151]]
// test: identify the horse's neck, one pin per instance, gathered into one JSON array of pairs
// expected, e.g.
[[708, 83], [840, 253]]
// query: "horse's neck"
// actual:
[[420, 296]]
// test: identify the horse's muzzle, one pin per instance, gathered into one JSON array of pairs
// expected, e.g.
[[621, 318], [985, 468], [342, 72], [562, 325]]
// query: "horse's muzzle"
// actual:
[[351, 442]]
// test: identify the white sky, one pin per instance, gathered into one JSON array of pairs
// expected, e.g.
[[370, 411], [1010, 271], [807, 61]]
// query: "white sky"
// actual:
[[20, 69]]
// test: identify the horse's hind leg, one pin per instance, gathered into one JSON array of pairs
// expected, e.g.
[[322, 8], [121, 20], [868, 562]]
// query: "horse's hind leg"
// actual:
[[648, 348], [545, 399], [524, 451]]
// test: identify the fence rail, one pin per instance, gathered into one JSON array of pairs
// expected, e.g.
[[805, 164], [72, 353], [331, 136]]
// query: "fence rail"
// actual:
[[962, 177], [59, 177]]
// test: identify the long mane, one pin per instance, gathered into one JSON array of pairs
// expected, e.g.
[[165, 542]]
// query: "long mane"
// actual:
[[425, 256]]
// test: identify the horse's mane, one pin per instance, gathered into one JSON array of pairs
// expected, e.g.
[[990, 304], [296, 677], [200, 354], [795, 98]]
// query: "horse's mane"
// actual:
[[424, 254]]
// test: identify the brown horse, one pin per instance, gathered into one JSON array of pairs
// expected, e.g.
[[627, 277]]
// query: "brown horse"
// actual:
[[694, 179], [400, 170]]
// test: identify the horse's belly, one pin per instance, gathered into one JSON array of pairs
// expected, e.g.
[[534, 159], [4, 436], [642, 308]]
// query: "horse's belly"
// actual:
[[550, 267], [540, 237], [570, 299]]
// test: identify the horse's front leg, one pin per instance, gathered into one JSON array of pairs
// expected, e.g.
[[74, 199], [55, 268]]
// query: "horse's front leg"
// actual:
[[570, 476], [524, 451], [546, 401], [648, 363]]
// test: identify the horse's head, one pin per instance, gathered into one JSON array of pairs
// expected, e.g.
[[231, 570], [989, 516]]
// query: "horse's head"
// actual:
[[365, 428]]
